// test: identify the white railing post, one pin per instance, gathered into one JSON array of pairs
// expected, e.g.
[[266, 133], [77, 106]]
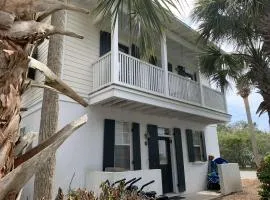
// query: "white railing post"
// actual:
[[201, 89], [114, 51], [164, 61]]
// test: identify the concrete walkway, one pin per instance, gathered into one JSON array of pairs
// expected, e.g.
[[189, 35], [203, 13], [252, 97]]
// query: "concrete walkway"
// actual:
[[204, 195], [248, 174]]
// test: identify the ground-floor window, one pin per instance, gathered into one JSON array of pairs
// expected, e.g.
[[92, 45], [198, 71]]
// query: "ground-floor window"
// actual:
[[122, 146], [197, 146]]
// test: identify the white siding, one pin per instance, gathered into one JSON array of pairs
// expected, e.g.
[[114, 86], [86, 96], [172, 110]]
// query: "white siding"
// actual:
[[80, 54], [35, 95], [87, 156]]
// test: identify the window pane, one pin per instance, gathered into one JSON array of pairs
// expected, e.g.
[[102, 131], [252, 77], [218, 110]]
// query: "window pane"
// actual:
[[122, 133], [163, 159], [196, 138], [197, 153], [122, 156], [122, 145], [163, 131]]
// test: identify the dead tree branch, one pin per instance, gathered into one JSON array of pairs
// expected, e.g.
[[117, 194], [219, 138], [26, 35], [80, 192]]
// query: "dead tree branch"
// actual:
[[28, 164]]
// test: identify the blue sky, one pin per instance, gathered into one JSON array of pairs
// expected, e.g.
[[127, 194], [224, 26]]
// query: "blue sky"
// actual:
[[235, 103]]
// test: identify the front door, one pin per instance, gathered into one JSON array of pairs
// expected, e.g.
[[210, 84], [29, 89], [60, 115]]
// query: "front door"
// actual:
[[165, 163]]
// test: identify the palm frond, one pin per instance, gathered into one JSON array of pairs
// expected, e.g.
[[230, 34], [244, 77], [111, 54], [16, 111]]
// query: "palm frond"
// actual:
[[147, 19], [220, 67]]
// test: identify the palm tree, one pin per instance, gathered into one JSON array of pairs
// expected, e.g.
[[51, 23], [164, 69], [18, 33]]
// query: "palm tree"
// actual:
[[224, 68], [243, 87], [20, 30], [147, 19], [239, 22]]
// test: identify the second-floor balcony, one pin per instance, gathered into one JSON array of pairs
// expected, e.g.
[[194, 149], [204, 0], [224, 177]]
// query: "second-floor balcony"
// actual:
[[136, 74], [124, 81]]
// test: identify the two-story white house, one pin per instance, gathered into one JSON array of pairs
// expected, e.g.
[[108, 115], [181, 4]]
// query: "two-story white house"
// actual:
[[143, 114]]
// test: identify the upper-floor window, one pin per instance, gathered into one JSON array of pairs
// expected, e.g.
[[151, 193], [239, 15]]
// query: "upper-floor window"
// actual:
[[31, 73]]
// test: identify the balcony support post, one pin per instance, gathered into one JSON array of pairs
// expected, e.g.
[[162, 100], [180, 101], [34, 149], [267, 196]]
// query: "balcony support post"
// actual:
[[164, 62], [114, 51], [201, 88]]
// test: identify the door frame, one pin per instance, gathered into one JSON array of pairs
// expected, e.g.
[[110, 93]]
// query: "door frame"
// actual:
[[173, 158], [169, 140]]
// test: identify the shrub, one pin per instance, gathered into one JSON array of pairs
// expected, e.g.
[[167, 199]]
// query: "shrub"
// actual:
[[108, 192], [264, 177]]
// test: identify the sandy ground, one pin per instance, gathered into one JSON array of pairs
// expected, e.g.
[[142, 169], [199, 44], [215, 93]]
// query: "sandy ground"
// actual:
[[250, 191]]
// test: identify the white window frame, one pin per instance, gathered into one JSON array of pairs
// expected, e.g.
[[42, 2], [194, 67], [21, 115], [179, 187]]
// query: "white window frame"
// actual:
[[130, 142]]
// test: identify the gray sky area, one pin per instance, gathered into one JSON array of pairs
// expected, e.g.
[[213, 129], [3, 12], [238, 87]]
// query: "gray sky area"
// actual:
[[235, 102]]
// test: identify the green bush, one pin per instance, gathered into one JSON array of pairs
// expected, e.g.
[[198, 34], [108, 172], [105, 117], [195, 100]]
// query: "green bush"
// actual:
[[235, 144], [263, 174]]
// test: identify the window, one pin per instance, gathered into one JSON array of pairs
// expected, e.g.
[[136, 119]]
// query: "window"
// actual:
[[122, 145], [163, 132], [123, 48], [196, 146], [31, 73]]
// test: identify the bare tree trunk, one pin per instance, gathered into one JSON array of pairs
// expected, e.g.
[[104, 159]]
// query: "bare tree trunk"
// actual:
[[43, 186], [252, 133]]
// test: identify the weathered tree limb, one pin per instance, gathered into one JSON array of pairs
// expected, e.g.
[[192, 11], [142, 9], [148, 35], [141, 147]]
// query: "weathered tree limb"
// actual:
[[56, 82], [27, 9], [41, 85], [6, 20], [24, 142], [25, 31], [28, 164]]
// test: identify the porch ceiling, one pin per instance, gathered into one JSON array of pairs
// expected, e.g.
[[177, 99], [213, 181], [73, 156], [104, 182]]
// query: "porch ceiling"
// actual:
[[122, 98]]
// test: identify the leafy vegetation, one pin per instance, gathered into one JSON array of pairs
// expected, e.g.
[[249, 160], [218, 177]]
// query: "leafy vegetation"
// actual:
[[264, 176], [108, 191], [235, 143]]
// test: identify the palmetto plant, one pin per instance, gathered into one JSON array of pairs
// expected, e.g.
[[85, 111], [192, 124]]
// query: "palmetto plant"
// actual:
[[245, 25], [224, 68], [147, 19]]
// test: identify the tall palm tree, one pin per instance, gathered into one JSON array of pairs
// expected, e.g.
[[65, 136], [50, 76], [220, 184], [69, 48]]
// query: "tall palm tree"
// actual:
[[239, 22], [243, 87], [224, 68]]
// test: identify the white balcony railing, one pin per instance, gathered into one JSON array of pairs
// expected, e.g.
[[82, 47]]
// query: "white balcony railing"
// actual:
[[101, 71], [214, 99], [140, 75], [182, 88]]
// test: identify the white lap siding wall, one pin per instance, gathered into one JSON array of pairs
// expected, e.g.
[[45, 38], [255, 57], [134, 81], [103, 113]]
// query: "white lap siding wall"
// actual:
[[84, 150]]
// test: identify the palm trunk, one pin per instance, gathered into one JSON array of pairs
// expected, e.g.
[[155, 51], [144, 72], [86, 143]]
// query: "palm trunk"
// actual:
[[13, 68], [252, 133], [43, 185]]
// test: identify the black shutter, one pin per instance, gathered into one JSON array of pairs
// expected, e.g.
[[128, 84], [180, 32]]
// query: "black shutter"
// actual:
[[204, 153], [135, 51], [179, 160], [153, 150], [105, 43], [169, 67], [136, 146], [153, 60], [191, 155], [195, 77], [108, 144]]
